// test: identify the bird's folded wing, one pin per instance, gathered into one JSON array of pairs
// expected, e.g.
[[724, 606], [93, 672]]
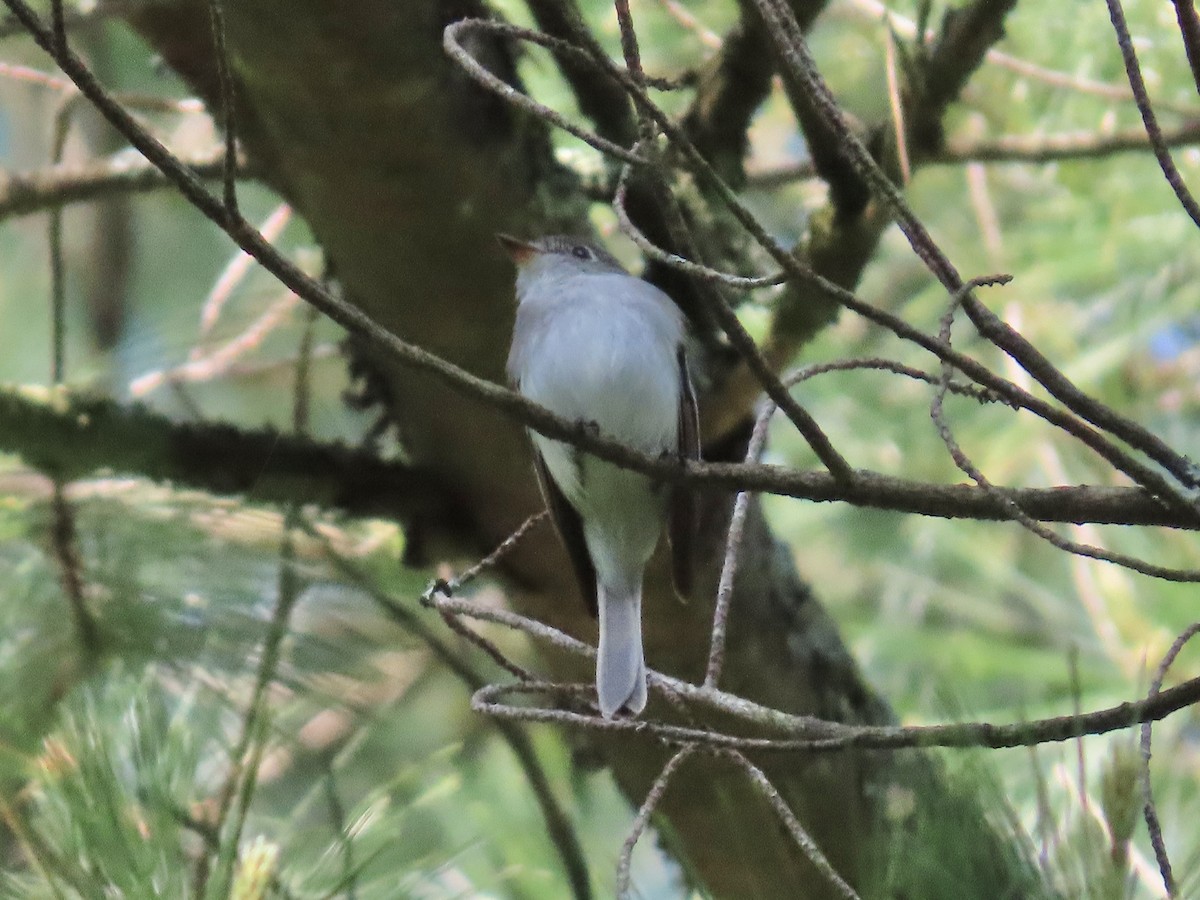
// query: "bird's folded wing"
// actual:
[[570, 528], [682, 525]]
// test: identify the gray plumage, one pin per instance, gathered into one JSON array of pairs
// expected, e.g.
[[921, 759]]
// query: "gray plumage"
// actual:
[[593, 343]]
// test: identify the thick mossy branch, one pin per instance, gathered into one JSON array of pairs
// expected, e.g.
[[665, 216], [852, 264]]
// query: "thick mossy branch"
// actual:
[[966, 36], [69, 436], [599, 98], [733, 86], [731, 89], [847, 192], [22, 193]]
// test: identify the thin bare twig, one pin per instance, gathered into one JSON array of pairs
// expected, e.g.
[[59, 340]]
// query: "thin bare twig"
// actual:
[[303, 386], [1189, 30], [822, 736], [449, 588], [202, 366], [532, 627], [216, 13], [397, 611], [906, 27], [1133, 71], [471, 636], [1149, 809], [63, 535], [1033, 361], [218, 361], [72, 19], [805, 733], [964, 463], [22, 193], [143, 102], [1070, 145], [896, 105], [801, 837], [880, 364], [688, 20], [691, 268], [599, 99], [1013, 148], [642, 820], [236, 271], [451, 41], [733, 548], [58, 27], [58, 277], [976, 177]]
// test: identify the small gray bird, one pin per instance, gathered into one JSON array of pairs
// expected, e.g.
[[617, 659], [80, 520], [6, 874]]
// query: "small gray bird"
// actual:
[[595, 344]]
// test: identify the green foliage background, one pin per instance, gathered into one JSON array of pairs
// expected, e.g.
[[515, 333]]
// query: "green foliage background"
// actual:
[[374, 773]]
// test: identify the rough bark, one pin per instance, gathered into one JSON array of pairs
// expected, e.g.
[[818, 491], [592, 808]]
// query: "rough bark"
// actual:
[[405, 172]]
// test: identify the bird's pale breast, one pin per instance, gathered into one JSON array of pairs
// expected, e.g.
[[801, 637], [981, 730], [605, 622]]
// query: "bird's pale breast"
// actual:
[[605, 352]]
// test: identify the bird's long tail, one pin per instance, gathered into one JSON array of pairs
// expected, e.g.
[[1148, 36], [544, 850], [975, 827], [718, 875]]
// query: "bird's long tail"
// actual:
[[620, 667]]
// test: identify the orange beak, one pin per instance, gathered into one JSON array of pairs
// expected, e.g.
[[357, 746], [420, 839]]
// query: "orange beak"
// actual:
[[520, 251]]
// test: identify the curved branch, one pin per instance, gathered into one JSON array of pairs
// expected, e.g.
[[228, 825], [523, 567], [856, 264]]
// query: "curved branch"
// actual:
[[1133, 72], [796, 732], [827, 736], [1189, 29], [1150, 810]]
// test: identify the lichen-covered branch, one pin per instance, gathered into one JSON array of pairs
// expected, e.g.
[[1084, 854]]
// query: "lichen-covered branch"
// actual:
[[70, 436], [22, 193]]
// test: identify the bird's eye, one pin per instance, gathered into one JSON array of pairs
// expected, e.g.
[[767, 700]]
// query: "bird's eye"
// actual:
[[581, 252]]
